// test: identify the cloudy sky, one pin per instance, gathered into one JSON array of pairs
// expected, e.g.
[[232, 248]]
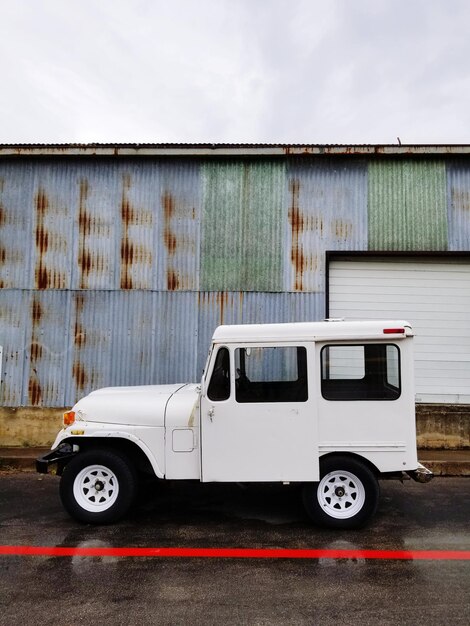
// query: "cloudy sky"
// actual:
[[282, 71]]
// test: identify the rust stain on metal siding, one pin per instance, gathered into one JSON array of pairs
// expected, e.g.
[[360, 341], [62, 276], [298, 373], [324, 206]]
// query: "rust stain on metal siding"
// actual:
[[316, 223], [169, 236], [46, 277], [80, 337], [34, 392], [222, 301], [172, 279], [85, 262], [80, 376], [168, 205], [128, 213], [42, 239], [36, 310], [297, 223], [36, 351], [42, 235], [42, 202], [42, 277], [87, 225], [342, 229], [42, 274], [132, 253], [84, 219], [127, 258], [127, 248], [170, 240], [202, 299]]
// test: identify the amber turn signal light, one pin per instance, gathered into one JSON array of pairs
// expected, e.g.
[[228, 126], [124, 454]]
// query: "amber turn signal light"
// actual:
[[69, 418]]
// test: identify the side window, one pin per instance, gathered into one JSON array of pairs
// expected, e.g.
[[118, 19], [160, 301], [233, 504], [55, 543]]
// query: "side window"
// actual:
[[277, 374], [219, 385], [360, 372]]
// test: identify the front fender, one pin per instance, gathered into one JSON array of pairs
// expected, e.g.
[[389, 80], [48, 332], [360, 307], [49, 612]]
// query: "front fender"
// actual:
[[144, 438]]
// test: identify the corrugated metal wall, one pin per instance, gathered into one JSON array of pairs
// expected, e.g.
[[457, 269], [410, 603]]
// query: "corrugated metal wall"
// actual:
[[327, 210], [242, 243], [117, 271], [407, 205]]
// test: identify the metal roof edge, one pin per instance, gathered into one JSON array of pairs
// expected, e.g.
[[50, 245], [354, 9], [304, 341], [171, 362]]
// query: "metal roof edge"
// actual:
[[216, 149]]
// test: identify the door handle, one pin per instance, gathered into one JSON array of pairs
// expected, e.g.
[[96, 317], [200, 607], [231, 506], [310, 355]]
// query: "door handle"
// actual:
[[211, 413]]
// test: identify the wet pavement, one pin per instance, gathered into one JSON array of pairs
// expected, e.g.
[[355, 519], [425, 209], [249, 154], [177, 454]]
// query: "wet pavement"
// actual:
[[141, 590]]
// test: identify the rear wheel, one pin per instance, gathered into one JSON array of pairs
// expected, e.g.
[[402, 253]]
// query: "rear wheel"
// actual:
[[98, 486], [346, 496]]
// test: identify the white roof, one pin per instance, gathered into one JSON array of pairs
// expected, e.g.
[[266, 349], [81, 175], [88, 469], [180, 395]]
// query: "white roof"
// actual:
[[312, 331]]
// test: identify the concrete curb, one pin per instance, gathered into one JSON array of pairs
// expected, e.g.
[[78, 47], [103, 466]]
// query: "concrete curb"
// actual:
[[446, 462], [23, 459], [440, 462]]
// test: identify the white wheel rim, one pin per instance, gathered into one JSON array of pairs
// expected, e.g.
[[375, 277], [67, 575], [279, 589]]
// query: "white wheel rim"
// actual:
[[96, 488], [341, 494]]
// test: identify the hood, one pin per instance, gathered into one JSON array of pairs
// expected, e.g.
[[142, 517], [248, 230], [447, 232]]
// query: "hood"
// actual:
[[136, 406]]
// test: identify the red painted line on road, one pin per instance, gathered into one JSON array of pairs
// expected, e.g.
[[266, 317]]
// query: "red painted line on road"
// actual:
[[240, 553]]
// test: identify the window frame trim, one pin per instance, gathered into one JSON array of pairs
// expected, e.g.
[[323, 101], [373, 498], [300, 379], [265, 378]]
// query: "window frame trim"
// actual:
[[287, 344], [360, 343]]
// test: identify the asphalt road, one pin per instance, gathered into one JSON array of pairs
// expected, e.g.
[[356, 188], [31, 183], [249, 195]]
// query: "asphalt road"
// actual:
[[153, 590]]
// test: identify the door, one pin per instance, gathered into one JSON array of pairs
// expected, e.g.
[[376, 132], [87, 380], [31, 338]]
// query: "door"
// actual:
[[258, 414]]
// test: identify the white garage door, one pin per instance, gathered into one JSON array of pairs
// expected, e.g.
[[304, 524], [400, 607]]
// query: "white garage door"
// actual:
[[433, 295]]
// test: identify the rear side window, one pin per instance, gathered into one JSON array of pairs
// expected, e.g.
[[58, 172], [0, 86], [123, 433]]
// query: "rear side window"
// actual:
[[360, 372]]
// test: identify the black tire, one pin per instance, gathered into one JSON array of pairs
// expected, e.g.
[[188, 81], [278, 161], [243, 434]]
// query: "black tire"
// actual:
[[98, 486], [346, 496]]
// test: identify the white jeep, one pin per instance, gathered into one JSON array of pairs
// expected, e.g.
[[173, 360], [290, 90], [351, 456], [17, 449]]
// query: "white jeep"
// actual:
[[327, 404]]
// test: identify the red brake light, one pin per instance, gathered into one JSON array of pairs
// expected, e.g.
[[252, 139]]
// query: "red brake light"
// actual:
[[394, 331]]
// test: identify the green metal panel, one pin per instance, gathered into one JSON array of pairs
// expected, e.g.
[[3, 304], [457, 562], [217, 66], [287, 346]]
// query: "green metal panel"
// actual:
[[244, 218], [407, 205]]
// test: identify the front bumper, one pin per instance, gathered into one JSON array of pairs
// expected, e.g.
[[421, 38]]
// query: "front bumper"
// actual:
[[60, 455]]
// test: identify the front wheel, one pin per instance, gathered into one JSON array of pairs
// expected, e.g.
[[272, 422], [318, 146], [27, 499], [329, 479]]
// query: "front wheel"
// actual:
[[98, 486], [346, 496]]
